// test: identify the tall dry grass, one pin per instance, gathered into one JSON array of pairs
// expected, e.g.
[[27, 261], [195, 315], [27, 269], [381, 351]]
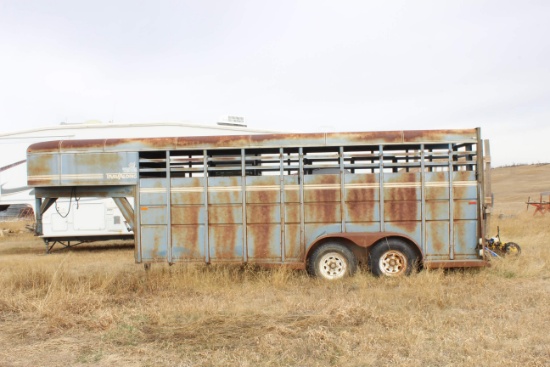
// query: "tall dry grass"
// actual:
[[89, 307]]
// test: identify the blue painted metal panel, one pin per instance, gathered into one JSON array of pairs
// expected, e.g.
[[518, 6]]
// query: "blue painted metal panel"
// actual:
[[437, 210], [153, 191], [464, 185], [465, 239], [225, 214], [437, 240], [437, 186], [226, 242], [187, 191], [322, 212], [321, 188], [294, 250], [361, 197], [264, 242], [402, 186], [188, 214], [188, 242], [153, 215], [292, 189], [366, 211], [316, 230], [43, 170], [413, 229], [363, 227], [224, 190], [263, 213], [154, 240], [402, 211], [292, 213], [117, 168], [263, 189], [362, 187], [465, 209]]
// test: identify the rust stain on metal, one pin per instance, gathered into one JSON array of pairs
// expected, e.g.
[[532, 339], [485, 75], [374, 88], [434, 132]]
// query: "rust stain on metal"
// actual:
[[366, 191], [454, 264], [322, 189], [205, 142], [87, 161], [292, 213], [263, 237], [294, 248], [224, 237], [406, 186], [186, 214], [89, 144], [401, 210], [317, 195], [187, 238], [374, 137], [459, 211], [362, 211], [42, 165], [439, 235], [277, 139], [460, 231], [292, 196], [322, 212], [270, 196], [439, 135], [257, 213], [437, 210], [262, 140], [157, 240], [437, 193], [47, 146], [189, 198], [401, 202], [223, 225]]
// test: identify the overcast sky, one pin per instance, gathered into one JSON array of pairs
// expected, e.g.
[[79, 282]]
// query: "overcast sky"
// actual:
[[285, 65]]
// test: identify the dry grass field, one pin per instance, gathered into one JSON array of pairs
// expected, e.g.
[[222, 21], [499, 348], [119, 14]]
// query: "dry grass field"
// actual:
[[92, 306]]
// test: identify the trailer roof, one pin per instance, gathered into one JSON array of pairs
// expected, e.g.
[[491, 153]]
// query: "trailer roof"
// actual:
[[259, 141]]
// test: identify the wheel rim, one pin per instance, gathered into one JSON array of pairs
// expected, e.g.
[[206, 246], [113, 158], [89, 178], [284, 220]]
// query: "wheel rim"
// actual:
[[512, 250], [333, 265], [393, 263]]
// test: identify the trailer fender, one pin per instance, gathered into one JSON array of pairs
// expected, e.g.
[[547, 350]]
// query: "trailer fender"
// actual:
[[361, 240]]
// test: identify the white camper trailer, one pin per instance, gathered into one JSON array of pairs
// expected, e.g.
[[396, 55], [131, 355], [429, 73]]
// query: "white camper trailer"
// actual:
[[87, 218]]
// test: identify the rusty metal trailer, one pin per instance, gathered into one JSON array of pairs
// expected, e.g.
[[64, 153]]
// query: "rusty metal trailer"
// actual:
[[320, 201]]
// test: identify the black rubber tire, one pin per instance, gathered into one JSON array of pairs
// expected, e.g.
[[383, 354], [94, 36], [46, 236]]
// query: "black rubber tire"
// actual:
[[332, 261], [392, 257], [512, 249]]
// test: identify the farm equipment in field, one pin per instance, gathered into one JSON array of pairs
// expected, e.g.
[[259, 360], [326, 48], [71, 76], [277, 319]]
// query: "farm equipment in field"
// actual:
[[542, 206], [496, 248]]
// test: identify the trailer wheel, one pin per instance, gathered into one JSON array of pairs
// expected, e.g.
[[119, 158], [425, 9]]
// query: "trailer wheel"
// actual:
[[392, 257], [512, 249], [332, 261]]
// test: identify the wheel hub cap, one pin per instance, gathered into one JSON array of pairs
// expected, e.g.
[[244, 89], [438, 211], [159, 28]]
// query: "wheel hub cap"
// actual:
[[393, 263], [333, 266]]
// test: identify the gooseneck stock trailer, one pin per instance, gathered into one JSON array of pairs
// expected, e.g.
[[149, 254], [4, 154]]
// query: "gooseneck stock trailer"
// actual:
[[325, 202]]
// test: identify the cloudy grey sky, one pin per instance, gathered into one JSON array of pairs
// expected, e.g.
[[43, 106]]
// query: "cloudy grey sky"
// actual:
[[285, 65]]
